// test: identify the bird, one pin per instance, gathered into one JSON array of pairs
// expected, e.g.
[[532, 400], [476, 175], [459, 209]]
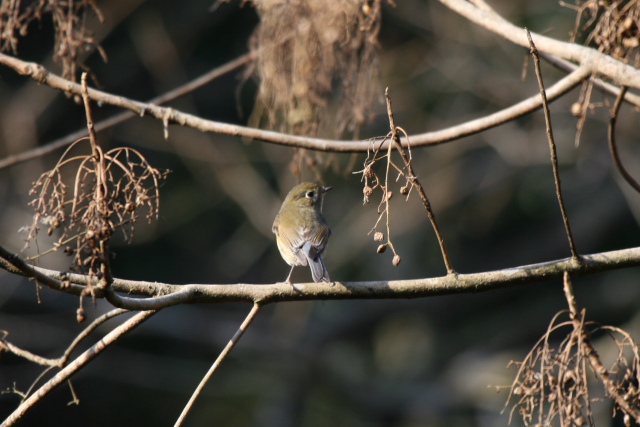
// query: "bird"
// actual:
[[301, 230]]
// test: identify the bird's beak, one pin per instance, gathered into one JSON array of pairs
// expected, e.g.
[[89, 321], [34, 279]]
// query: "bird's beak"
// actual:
[[325, 189]]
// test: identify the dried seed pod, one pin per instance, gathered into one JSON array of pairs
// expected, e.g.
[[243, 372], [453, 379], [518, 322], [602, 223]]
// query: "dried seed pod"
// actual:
[[576, 109], [378, 236], [80, 317], [404, 190], [396, 260], [382, 248], [389, 195], [367, 191], [368, 172]]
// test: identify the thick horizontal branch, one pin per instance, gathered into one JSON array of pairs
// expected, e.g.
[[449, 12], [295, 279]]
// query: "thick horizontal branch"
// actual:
[[169, 115], [160, 295]]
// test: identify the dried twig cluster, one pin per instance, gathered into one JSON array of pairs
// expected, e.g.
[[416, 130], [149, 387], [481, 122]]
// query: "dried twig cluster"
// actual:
[[69, 18], [108, 191], [553, 381]]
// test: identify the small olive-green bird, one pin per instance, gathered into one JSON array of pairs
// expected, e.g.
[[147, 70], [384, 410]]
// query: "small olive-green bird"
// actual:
[[302, 231]]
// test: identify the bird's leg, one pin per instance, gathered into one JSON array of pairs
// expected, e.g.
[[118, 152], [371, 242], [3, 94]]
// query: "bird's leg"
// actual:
[[288, 279]]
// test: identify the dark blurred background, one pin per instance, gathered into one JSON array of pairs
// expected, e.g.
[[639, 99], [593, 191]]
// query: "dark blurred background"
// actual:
[[405, 363]]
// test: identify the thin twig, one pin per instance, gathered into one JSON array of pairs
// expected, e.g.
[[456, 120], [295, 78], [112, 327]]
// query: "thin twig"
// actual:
[[413, 179], [552, 146], [76, 365], [612, 142], [234, 340]]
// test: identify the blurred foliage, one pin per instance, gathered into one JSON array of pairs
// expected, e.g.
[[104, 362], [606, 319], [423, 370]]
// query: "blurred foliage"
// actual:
[[426, 362]]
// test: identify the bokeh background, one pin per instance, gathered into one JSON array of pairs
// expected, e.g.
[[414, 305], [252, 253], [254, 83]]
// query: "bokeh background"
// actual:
[[425, 362]]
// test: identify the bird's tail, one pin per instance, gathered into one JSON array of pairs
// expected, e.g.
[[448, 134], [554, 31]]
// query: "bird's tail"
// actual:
[[318, 269]]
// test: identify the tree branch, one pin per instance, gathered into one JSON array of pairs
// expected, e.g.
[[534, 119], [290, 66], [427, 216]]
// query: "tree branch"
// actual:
[[124, 116], [599, 63], [76, 365], [169, 115], [159, 295], [569, 67], [232, 342]]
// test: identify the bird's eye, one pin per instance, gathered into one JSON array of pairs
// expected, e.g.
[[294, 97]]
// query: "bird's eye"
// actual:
[[310, 194]]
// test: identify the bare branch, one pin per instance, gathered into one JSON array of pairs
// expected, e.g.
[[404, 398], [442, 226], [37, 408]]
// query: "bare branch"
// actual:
[[76, 365], [612, 142], [122, 117], [60, 361], [234, 340], [161, 295], [569, 67], [42, 75], [598, 62]]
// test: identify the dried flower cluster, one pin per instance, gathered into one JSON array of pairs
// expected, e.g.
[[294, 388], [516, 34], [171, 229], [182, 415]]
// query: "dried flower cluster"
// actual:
[[107, 194], [613, 26], [69, 19], [373, 181], [108, 191], [553, 387]]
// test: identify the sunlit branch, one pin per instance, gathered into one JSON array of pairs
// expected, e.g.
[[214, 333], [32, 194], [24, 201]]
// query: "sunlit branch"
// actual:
[[172, 116], [155, 295]]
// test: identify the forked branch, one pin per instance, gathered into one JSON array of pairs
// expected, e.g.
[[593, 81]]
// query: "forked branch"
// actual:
[[77, 364]]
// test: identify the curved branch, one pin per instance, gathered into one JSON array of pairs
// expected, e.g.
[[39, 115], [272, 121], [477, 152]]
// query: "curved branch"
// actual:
[[124, 116], [569, 67], [159, 295], [42, 75], [486, 17], [612, 142]]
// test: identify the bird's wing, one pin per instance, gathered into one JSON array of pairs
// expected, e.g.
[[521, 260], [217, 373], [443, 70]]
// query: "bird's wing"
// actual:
[[317, 238], [292, 238]]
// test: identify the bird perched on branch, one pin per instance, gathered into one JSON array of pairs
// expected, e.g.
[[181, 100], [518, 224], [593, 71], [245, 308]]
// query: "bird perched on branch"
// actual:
[[302, 231]]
